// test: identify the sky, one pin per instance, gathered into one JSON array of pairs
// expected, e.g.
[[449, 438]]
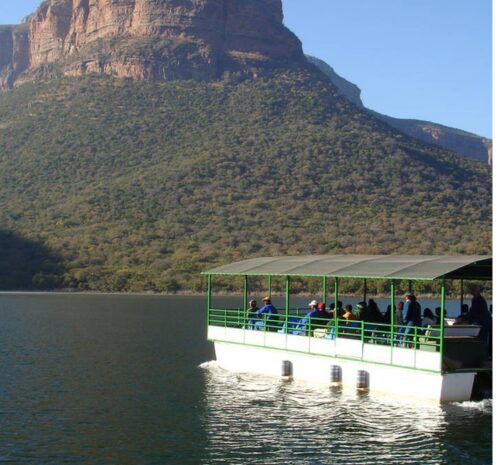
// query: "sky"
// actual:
[[421, 59]]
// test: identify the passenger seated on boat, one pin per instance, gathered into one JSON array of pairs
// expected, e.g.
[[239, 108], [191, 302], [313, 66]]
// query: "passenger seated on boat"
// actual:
[[374, 314], [398, 316], [437, 312], [399, 322], [370, 313], [332, 310], [462, 318], [319, 317], [360, 312], [429, 319], [383, 331], [480, 315], [348, 314], [349, 324], [336, 311], [268, 316], [251, 314], [386, 316], [316, 318]]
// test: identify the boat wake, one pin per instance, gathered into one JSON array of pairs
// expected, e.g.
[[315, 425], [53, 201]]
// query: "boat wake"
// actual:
[[483, 406], [210, 365]]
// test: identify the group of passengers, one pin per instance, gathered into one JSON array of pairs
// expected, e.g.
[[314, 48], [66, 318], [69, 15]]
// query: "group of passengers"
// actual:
[[407, 314], [267, 315]]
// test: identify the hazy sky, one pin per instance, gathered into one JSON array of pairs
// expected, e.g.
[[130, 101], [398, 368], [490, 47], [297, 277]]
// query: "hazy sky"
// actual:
[[423, 59]]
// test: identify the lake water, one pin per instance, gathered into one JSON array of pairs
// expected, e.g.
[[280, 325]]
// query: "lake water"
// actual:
[[98, 379]]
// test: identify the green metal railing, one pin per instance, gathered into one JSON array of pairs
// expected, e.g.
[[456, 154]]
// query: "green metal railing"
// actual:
[[413, 337], [287, 321]]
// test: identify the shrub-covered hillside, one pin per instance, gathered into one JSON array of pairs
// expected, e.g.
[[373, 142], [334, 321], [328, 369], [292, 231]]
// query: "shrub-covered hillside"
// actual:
[[140, 186]]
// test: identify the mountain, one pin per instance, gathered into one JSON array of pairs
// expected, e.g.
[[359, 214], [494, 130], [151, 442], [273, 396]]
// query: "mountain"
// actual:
[[462, 142], [145, 39], [139, 184]]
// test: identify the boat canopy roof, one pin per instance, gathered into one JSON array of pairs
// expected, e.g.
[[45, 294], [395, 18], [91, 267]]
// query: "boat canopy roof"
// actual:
[[414, 267]]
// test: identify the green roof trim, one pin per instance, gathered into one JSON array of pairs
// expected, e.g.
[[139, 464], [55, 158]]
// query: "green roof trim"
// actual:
[[411, 267]]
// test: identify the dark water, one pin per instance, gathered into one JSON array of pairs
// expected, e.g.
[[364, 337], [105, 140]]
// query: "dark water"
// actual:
[[129, 380]]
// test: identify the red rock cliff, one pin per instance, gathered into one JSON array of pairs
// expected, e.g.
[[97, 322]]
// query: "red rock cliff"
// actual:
[[157, 39]]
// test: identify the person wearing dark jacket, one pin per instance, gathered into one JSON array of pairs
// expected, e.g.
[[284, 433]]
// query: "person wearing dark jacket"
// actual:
[[269, 314], [361, 312], [412, 317], [374, 313], [480, 315], [411, 311], [318, 315]]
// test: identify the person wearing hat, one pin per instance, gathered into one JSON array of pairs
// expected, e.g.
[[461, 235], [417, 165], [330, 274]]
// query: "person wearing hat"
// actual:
[[412, 311], [269, 314], [322, 307], [318, 316], [313, 305]]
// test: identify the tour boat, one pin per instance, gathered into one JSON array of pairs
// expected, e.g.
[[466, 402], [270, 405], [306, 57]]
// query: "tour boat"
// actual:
[[440, 362]]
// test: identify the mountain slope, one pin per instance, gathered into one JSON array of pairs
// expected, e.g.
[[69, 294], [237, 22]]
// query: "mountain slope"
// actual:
[[222, 142], [141, 185], [465, 143]]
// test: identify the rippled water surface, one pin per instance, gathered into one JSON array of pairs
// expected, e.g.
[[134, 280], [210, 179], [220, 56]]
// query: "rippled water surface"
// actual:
[[88, 379]]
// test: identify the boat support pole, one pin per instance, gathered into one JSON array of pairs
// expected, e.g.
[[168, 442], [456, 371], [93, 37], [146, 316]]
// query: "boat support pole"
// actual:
[[209, 297], [245, 294], [441, 323], [393, 308], [393, 301], [365, 291], [269, 286], [461, 294], [324, 290], [287, 301], [336, 293]]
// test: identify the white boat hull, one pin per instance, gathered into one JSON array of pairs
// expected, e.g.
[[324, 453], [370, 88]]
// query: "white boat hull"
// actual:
[[408, 373]]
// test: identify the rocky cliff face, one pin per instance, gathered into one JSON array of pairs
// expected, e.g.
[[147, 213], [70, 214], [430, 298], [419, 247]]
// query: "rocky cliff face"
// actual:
[[465, 143], [462, 142], [349, 90], [14, 53], [154, 39]]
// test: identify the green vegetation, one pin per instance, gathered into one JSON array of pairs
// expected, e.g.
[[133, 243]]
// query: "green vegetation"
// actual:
[[26, 264], [140, 186]]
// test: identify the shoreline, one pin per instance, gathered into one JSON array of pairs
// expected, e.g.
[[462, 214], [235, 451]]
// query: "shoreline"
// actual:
[[219, 294]]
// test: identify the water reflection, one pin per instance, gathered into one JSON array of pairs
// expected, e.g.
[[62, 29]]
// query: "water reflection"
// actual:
[[253, 419]]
